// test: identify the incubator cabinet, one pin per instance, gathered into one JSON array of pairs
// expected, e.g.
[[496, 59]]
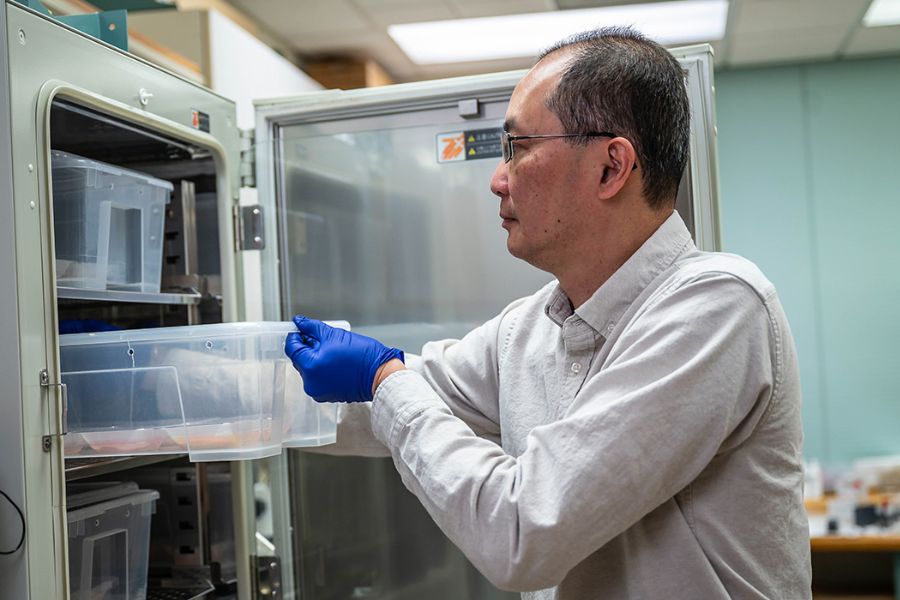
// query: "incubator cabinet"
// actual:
[[152, 255]]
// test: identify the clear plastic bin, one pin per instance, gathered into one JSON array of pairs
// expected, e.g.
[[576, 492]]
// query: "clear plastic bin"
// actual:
[[175, 539], [307, 422], [217, 392], [109, 224], [109, 540]]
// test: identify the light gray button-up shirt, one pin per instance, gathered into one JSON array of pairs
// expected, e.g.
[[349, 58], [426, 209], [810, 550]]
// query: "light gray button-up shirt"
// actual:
[[645, 445]]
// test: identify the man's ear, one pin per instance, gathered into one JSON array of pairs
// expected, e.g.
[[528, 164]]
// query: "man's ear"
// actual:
[[618, 161]]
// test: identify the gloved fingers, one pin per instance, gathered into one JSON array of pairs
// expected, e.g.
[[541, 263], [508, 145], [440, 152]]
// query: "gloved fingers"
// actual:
[[298, 347], [310, 327], [326, 399]]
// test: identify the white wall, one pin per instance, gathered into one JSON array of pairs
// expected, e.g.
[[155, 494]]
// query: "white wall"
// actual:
[[243, 68]]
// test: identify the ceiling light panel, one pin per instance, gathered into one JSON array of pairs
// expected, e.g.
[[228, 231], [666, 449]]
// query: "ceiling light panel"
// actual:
[[525, 35], [882, 13]]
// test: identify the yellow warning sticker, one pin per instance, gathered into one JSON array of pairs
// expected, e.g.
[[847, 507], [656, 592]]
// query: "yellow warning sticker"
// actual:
[[469, 145]]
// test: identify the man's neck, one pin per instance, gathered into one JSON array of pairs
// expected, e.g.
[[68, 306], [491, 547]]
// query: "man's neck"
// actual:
[[581, 283], [590, 270]]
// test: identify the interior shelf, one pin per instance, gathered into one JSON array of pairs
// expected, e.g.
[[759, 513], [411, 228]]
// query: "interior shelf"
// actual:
[[81, 468], [135, 297]]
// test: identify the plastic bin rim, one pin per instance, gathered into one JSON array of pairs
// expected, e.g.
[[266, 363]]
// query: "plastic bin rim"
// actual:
[[94, 510], [73, 161], [184, 332], [177, 333], [85, 494]]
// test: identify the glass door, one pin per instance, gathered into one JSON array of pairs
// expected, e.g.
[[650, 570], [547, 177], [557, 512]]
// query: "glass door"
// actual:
[[385, 219]]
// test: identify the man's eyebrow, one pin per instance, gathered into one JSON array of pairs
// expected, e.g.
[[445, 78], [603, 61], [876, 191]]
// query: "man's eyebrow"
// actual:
[[508, 124]]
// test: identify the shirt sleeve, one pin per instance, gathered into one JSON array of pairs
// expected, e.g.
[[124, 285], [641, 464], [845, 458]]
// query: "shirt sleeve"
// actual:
[[690, 376], [464, 375]]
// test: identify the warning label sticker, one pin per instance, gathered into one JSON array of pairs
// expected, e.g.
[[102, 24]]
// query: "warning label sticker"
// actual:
[[451, 146], [468, 145], [200, 120]]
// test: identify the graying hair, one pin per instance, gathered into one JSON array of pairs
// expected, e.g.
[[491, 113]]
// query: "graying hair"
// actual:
[[620, 81]]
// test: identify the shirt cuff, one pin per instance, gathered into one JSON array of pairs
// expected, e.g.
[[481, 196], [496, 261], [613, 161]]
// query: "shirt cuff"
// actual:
[[399, 398]]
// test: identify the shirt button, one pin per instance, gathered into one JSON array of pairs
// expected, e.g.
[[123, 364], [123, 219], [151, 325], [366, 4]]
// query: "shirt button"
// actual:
[[576, 368]]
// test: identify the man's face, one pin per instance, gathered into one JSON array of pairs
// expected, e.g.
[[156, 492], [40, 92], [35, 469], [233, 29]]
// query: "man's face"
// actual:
[[545, 190]]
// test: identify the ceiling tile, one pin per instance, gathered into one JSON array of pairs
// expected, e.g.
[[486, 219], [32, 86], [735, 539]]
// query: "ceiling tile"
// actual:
[[759, 31], [874, 40], [408, 13], [370, 5], [786, 46], [760, 16], [418, 73], [294, 18], [385, 52], [335, 43], [512, 6], [492, 8], [567, 4]]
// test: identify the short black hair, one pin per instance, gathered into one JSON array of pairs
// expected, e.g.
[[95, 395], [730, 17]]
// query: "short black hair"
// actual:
[[620, 81]]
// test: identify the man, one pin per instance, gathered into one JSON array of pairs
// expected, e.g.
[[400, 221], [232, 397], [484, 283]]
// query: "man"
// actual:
[[632, 430]]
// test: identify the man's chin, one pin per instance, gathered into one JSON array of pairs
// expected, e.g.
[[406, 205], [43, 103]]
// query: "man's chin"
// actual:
[[516, 250], [522, 254], [511, 246]]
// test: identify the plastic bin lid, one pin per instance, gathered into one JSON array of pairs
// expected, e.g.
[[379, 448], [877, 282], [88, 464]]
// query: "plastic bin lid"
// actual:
[[139, 497], [186, 332], [85, 494], [72, 161]]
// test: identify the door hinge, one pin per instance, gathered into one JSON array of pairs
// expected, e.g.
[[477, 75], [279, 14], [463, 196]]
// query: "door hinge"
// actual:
[[266, 577], [247, 170], [47, 439], [249, 227]]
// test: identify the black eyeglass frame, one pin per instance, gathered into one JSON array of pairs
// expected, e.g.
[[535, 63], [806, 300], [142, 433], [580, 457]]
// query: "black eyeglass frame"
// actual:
[[507, 149]]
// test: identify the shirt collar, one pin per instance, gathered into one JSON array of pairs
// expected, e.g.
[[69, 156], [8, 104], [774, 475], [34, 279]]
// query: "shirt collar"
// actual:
[[605, 307]]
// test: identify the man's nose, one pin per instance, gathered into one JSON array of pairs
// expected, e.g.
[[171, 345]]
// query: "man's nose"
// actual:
[[500, 180]]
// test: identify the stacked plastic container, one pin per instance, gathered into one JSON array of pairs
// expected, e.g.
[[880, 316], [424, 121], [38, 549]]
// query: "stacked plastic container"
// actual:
[[109, 225], [109, 540], [216, 392]]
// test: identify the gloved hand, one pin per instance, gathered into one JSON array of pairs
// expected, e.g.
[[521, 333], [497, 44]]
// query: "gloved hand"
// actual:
[[336, 365]]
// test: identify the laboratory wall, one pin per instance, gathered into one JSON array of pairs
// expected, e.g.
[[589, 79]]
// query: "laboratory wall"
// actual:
[[810, 191]]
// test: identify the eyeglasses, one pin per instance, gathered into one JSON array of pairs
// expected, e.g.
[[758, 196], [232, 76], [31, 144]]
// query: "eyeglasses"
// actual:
[[508, 149]]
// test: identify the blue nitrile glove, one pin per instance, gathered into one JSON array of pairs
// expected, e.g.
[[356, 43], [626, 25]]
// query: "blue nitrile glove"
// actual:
[[336, 365]]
